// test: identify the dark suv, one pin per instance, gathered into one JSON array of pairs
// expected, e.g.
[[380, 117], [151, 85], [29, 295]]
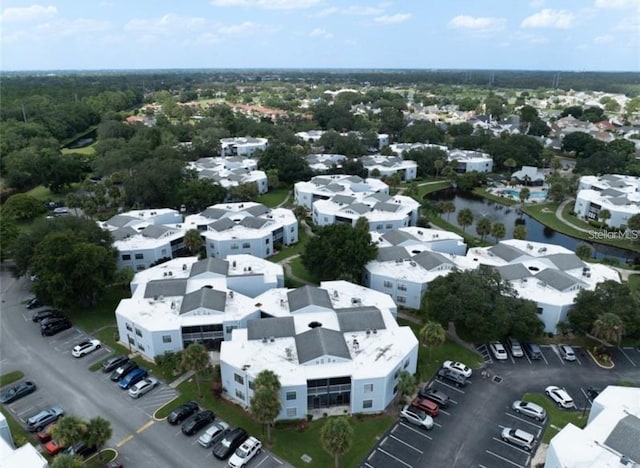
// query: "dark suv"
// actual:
[[40, 315], [182, 412], [234, 439], [112, 364], [54, 326], [452, 376], [80, 449], [533, 351], [435, 395], [123, 370], [197, 422]]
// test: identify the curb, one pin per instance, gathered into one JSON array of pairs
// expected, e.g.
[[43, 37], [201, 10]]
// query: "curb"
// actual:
[[157, 419], [598, 364]]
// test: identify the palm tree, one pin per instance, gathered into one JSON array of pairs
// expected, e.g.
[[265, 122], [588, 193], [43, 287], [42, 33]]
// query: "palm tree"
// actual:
[[438, 164], [498, 231], [520, 232], [634, 222], [265, 403], [336, 437], [524, 195], [448, 207], [432, 334], [98, 433], [406, 384], [465, 218], [604, 215], [483, 227], [193, 241], [69, 430], [196, 358], [609, 327]]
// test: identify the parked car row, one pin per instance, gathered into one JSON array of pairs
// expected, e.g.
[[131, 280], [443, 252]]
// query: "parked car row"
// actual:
[[516, 349], [225, 443]]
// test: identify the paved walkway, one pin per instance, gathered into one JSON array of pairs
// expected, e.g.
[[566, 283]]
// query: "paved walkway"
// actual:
[[286, 199], [561, 217]]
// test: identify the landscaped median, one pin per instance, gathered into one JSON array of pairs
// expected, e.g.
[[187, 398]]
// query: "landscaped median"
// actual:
[[558, 418], [10, 377]]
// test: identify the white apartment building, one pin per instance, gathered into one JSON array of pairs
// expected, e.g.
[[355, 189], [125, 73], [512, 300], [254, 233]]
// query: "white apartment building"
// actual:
[[410, 258], [231, 171], [610, 438], [467, 161], [313, 136], [390, 165], [248, 228], [328, 348], [382, 211], [242, 146], [26, 456], [324, 162], [185, 300], [326, 186], [618, 194], [401, 148]]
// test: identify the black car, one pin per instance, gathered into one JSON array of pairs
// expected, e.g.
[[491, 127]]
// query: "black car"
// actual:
[[182, 412], [41, 315], [441, 398], [56, 326], [234, 439], [592, 393], [197, 422], [112, 364], [533, 350], [17, 391], [123, 370], [34, 303], [81, 449]]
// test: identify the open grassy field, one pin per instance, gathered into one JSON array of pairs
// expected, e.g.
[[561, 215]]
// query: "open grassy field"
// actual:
[[274, 197]]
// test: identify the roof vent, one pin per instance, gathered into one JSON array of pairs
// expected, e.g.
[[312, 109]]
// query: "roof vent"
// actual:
[[184, 267], [375, 331], [368, 332], [289, 353], [336, 294], [264, 339], [230, 294], [272, 339]]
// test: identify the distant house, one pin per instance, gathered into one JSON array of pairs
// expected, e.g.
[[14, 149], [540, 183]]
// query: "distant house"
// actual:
[[530, 176], [618, 194], [231, 171], [242, 146]]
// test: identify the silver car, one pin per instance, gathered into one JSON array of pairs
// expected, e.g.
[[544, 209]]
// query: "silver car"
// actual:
[[519, 438], [142, 387], [515, 348], [417, 417], [529, 409], [213, 434], [566, 352]]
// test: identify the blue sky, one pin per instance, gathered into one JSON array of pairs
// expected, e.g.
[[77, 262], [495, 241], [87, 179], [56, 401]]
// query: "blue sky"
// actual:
[[462, 34]]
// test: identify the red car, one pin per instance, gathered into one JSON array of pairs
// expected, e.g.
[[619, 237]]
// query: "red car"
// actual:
[[425, 405], [44, 435], [114, 464], [52, 447]]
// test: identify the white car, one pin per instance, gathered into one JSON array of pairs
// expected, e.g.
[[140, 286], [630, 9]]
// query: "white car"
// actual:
[[529, 409], [458, 366], [86, 347], [567, 352], [518, 437], [559, 396], [498, 350], [142, 387], [245, 452], [416, 416]]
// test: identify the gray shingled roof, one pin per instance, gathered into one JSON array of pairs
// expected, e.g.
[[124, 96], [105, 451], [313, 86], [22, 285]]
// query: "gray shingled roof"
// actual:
[[506, 252], [120, 220], [222, 224], [319, 342], [155, 231], [383, 197], [620, 201], [513, 272], [165, 287], [214, 213], [123, 233], [359, 208], [257, 210], [321, 181], [359, 319], [253, 223], [625, 437], [388, 254], [430, 260], [308, 295], [566, 261], [206, 298], [213, 265], [278, 327], [390, 207], [558, 280], [354, 178], [611, 193], [335, 187], [343, 199], [396, 237]]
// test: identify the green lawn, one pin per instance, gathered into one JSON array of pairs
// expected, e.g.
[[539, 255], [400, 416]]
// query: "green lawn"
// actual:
[[295, 249], [288, 442], [301, 271], [274, 197], [87, 150], [471, 240], [425, 190], [489, 196], [102, 315], [634, 284], [10, 377], [558, 418]]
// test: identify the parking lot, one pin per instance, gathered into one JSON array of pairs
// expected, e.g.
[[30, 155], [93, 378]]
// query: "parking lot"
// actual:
[[468, 432]]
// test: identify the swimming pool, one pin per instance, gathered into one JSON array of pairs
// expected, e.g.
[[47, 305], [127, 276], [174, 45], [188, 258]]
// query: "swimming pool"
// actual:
[[516, 194]]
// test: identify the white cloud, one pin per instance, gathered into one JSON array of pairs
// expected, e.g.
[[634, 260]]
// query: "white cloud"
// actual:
[[243, 29], [548, 18], [393, 19], [605, 39], [630, 23], [617, 4], [352, 10], [477, 24], [321, 33], [169, 24], [66, 28], [536, 3], [531, 38], [30, 13], [268, 4], [350, 42]]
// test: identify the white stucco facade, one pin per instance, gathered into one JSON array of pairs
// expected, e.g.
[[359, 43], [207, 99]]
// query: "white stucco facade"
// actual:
[[326, 186], [618, 194], [231, 171], [242, 146]]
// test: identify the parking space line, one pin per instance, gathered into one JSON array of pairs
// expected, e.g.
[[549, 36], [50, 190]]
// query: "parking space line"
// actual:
[[525, 355], [436, 424], [367, 464], [412, 429], [394, 457], [576, 354], [628, 358], [503, 459], [444, 412], [261, 461], [450, 386], [523, 420], [510, 445], [554, 348], [405, 443]]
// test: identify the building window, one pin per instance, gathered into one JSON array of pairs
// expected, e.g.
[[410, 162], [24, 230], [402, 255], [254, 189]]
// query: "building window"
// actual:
[[378, 227], [139, 332], [402, 287], [389, 226], [229, 329], [139, 256], [388, 284], [395, 376], [292, 412], [406, 364], [166, 338], [139, 267], [402, 299], [266, 241], [395, 389], [238, 378], [291, 396], [126, 257], [368, 388], [140, 347], [129, 327], [367, 404], [240, 394], [164, 252], [539, 310], [234, 246], [250, 382], [246, 245], [292, 229], [131, 340]]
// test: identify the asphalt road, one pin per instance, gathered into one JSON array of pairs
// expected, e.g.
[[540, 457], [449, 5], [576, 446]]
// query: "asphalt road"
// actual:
[[65, 381]]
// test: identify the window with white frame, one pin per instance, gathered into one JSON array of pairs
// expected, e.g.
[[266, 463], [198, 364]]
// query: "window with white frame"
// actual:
[[367, 404], [238, 378], [368, 388], [166, 338], [388, 284], [292, 412], [401, 299], [239, 394], [291, 396]]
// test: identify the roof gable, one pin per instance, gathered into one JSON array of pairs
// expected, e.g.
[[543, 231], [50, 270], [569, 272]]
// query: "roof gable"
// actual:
[[306, 296], [359, 319], [209, 265], [396, 237], [566, 261], [278, 327], [205, 298], [506, 252], [558, 280], [165, 287], [222, 224], [319, 342], [430, 260], [625, 436]]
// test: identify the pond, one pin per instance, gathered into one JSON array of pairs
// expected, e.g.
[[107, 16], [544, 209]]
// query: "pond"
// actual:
[[510, 217], [82, 141]]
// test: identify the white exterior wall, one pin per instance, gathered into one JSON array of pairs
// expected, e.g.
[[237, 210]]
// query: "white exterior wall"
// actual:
[[413, 293], [150, 256], [151, 342], [552, 314], [377, 396], [619, 214], [253, 285], [299, 404], [258, 247], [290, 233], [389, 225], [480, 166]]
